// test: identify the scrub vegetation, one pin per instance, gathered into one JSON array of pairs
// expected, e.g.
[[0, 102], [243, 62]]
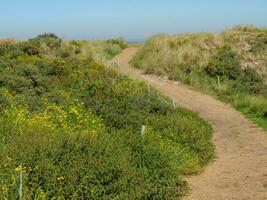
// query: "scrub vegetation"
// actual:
[[70, 127], [231, 65]]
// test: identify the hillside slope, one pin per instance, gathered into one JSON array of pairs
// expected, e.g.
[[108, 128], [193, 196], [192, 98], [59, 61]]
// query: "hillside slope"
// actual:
[[239, 171], [231, 65], [71, 129]]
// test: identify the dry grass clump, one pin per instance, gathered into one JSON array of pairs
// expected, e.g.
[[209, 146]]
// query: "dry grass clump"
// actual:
[[7, 41]]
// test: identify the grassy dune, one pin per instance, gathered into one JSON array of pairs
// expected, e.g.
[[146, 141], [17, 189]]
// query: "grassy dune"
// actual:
[[231, 65], [71, 127]]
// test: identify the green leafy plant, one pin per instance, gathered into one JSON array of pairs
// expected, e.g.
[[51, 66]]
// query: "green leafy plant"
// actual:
[[119, 41], [224, 64]]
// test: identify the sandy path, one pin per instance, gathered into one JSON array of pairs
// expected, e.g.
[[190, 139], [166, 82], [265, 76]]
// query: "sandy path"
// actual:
[[240, 168]]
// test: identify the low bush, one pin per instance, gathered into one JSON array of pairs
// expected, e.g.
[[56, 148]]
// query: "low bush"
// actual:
[[119, 41], [260, 45], [112, 50], [224, 64]]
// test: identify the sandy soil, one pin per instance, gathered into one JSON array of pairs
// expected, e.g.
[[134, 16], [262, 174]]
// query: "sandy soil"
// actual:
[[240, 168]]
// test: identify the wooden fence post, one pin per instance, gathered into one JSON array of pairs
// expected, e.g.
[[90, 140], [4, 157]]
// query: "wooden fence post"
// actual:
[[20, 185], [173, 103], [219, 83], [143, 129], [148, 89]]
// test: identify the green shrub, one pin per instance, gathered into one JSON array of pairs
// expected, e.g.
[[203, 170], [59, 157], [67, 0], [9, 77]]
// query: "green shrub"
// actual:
[[61, 156], [112, 50], [39, 46], [11, 50], [260, 45], [224, 64], [31, 48], [120, 41], [125, 104], [49, 39]]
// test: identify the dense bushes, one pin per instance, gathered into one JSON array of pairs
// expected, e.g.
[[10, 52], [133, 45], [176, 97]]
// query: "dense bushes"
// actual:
[[115, 46], [230, 65], [124, 104], [120, 41], [224, 64], [72, 128], [112, 50], [100, 50], [46, 45]]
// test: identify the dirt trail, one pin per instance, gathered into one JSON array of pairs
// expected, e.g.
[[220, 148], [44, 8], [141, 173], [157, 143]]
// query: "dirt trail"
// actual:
[[240, 169]]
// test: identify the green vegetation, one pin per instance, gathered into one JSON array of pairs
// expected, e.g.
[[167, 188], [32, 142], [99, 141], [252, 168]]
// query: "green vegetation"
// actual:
[[102, 51], [231, 65], [49, 45], [71, 127]]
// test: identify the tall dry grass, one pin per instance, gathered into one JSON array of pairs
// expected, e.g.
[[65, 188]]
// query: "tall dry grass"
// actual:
[[163, 53]]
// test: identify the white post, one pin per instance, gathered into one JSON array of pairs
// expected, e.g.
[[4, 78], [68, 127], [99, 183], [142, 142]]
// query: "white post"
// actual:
[[219, 83], [173, 103], [143, 129], [113, 63], [20, 185], [148, 89]]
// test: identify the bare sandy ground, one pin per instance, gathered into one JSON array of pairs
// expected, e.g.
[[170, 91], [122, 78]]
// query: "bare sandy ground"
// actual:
[[240, 168]]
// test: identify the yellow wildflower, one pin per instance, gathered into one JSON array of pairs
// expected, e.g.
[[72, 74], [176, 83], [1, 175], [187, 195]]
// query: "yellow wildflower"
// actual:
[[60, 178], [4, 189], [19, 168]]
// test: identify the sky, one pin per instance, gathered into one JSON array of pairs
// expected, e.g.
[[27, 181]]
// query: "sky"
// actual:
[[131, 19]]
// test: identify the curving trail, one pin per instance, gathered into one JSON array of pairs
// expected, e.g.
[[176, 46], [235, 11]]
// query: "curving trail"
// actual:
[[240, 168]]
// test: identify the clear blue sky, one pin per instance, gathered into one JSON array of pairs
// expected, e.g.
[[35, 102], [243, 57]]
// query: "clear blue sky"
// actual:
[[97, 19]]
